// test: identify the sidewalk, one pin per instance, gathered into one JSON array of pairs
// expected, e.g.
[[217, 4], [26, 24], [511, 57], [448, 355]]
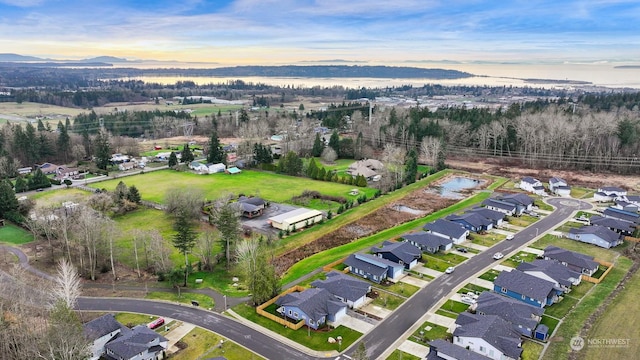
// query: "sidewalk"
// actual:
[[282, 339], [175, 334], [427, 271], [414, 349]]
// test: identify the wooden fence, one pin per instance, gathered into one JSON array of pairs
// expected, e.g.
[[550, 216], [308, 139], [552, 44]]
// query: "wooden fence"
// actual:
[[632, 239], [278, 319], [604, 274], [329, 267]]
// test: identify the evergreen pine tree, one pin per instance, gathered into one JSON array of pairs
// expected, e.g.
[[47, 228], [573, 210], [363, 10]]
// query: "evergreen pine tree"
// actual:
[[173, 160], [187, 155], [318, 146]]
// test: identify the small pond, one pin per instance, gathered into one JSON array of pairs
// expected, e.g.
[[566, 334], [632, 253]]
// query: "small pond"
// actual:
[[450, 189]]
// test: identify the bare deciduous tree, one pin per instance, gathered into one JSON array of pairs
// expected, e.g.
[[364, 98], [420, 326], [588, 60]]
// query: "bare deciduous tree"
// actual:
[[67, 286]]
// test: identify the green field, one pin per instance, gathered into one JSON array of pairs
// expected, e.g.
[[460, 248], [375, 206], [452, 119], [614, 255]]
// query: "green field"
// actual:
[[55, 198], [573, 245], [14, 235], [201, 343], [154, 186], [184, 298]]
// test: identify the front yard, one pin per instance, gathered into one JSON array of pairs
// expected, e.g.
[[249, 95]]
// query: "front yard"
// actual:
[[522, 221], [441, 261], [488, 239], [490, 275], [519, 258], [428, 332]]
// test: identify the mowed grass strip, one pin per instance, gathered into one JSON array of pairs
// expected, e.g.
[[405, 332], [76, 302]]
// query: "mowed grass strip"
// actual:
[[202, 343], [12, 234], [153, 186]]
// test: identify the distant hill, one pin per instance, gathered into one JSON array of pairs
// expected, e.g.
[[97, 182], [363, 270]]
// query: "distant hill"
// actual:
[[105, 59], [16, 57], [318, 71]]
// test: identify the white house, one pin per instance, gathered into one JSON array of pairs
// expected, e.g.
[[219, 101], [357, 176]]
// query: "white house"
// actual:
[[487, 335], [532, 185], [199, 167], [100, 331], [216, 168], [613, 191], [559, 187]]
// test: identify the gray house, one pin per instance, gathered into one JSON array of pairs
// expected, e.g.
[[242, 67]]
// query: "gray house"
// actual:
[[523, 318], [522, 202], [402, 253], [100, 331], [508, 209], [440, 349], [448, 230], [550, 270], [596, 235], [622, 227], [315, 306], [526, 288], [139, 343], [496, 217], [628, 216], [428, 242], [487, 335], [373, 268], [584, 264], [347, 289], [472, 221]]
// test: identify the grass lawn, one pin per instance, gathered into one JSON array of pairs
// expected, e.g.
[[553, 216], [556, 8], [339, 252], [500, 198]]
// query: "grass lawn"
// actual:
[[401, 355], [542, 205], [51, 198], [450, 257], [447, 313], [560, 309], [401, 289], [580, 290], [531, 350], [307, 283], [614, 324], [132, 319], [518, 258], [219, 279], [581, 193], [469, 287], [574, 321], [587, 249], [388, 301], [489, 239], [551, 322], [568, 225], [435, 263], [313, 262], [274, 187], [490, 275], [454, 306], [206, 344], [14, 235], [423, 336], [523, 221], [184, 298], [317, 340]]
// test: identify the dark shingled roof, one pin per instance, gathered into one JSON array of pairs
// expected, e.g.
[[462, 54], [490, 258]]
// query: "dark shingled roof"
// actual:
[[553, 269], [315, 302], [621, 214], [135, 342], [579, 260], [511, 310], [426, 239], [499, 204], [252, 200], [344, 286], [366, 266], [488, 213], [492, 329], [520, 199], [446, 227], [557, 180], [525, 284], [530, 180], [611, 223], [101, 326], [476, 220], [451, 351], [602, 232], [402, 250]]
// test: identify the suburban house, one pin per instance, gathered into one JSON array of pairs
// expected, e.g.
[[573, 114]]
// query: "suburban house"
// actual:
[[472, 221], [139, 343], [63, 172], [428, 242], [584, 264], [295, 219], [550, 270], [345, 288], [369, 168], [596, 235], [496, 217], [559, 187], [508, 209], [531, 185], [127, 166], [524, 318], [112, 340], [628, 216], [625, 205], [526, 288], [248, 210], [613, 191], [602, 197], [373, 268], [632, 199], [402, 253], [101, 330], [315, 306], [440, 349], [488, 335], [48, 168], [523, 203], [619, 226], [448, 230]]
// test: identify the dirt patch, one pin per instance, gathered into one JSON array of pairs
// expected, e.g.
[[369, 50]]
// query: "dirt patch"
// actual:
[[512, 169], [381, 219]]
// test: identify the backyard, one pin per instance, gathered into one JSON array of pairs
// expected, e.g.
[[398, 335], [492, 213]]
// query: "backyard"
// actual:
[[587, 249]]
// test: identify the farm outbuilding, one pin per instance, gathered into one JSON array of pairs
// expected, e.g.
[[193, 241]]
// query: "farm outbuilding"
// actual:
[[296, 219]]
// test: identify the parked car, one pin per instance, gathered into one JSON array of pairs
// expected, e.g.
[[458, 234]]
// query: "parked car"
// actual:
[[498, 256], [510, 237], [467, 299], [156, 323], [462, 250], [449, 270]]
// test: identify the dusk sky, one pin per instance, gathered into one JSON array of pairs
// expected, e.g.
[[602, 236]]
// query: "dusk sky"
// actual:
[[287, 31]]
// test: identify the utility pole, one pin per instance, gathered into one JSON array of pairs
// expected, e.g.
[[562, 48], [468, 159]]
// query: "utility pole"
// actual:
[[370, 112]]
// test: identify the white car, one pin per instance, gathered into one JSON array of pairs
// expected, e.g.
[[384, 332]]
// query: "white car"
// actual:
[[510, 237], [449, 270], [498, 256]]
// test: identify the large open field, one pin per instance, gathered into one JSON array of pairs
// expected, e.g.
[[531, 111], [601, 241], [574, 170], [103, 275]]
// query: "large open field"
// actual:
[[14, 111], [197, 109], [273, 187]]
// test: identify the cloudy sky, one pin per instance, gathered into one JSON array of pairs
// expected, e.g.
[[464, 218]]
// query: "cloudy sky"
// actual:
[[289, 31]]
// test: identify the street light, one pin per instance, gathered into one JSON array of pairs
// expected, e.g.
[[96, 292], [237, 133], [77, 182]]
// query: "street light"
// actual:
[[225, 302], [536, 232]]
